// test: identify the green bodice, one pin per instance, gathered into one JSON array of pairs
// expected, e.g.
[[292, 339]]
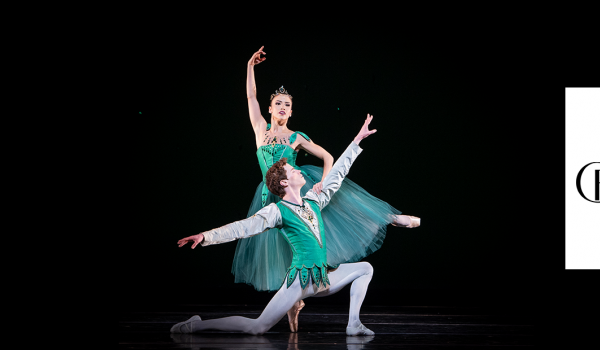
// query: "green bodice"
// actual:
[[271, 153], [309, 254]]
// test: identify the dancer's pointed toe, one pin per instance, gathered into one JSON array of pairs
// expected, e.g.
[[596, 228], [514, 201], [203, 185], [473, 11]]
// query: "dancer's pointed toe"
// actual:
[[293, 315], [414, 222], [360, 330], [187, 326], [407, 221]]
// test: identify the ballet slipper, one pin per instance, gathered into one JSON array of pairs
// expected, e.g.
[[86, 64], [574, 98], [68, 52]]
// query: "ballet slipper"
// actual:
[[360, 330], [187, 326], [293, 315], [414, 222]]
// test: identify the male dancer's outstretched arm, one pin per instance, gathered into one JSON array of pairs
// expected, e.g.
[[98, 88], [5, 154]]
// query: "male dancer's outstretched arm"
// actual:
[[269, 216], [340, 169], [265, 219]]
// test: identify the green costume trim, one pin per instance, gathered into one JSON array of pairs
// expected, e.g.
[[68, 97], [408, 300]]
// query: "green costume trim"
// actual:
[[318, 274], [291, 277], [304, 277], [294, 135], [325, 276]]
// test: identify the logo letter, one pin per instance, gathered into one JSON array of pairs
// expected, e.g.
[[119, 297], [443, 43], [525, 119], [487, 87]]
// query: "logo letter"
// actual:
[[597, 184]]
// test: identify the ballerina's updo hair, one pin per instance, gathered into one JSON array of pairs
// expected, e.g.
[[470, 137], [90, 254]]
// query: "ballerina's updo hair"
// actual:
[[274, 176], [280, 91]]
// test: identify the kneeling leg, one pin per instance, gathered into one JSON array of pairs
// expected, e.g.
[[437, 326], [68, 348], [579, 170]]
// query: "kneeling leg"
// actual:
[[283, 300]]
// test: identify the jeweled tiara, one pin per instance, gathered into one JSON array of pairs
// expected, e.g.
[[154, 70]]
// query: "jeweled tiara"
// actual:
[[280, 91]]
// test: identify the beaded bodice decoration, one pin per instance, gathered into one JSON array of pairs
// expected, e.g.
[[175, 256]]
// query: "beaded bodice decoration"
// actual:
[[276, 147], [272, 140], [307, 214]]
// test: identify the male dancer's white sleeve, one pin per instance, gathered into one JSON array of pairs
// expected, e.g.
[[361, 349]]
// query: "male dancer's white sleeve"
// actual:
[[264, 219], [334, 179]]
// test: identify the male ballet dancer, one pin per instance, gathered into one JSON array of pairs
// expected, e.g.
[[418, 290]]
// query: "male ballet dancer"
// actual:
[[299, 221]]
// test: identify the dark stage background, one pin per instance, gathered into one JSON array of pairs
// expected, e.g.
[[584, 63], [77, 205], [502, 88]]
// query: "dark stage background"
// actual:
[[454, 146]]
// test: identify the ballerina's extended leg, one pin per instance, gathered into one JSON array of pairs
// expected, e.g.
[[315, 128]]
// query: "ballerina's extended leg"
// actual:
[[406, 221]]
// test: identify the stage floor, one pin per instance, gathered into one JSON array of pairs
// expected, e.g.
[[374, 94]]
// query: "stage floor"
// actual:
[[323, 327]]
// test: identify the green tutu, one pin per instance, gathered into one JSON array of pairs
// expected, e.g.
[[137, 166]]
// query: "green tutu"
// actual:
[[355, 225]]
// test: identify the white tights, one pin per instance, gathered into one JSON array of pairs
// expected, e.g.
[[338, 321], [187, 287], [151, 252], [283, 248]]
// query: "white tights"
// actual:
[[359, 274]]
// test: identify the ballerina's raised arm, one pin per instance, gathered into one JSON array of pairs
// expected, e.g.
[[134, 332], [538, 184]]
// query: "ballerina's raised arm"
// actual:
[[259, 124], [280, 110]]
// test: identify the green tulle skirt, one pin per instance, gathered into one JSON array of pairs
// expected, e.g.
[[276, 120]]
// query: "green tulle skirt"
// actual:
[[355, 226]]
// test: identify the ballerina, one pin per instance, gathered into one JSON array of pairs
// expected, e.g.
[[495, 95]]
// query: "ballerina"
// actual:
[[262, 260], [300, 222]]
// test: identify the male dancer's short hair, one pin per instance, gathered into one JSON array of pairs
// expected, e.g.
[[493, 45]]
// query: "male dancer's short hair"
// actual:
[[274, 176]]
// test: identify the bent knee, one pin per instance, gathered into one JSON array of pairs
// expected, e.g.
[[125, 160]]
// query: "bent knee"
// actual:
[[367, 267]]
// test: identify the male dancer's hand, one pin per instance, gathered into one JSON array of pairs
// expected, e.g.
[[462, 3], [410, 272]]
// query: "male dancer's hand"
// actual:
[[195, 238], [364, 131]]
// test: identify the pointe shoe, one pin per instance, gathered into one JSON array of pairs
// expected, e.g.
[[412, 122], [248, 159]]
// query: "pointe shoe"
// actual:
[[187, 326], [414, 222], [360, 330], [293, 316]]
